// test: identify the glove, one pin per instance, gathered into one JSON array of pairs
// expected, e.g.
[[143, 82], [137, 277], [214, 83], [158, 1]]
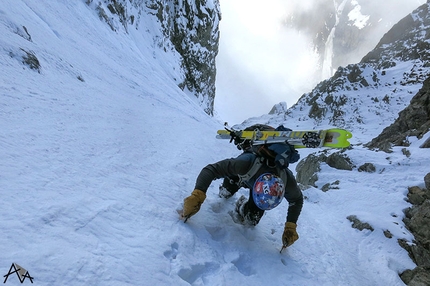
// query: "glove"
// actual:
[[192, 203], [290, 234]]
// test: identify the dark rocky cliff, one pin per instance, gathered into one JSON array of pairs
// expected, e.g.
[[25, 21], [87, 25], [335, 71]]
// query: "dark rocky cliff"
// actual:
[[414, 120]]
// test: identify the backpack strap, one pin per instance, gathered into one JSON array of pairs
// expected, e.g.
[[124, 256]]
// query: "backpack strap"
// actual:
[[283, 174], [258, 162]]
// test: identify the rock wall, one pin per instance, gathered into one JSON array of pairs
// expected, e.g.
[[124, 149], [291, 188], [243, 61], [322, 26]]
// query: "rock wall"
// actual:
[[417, 220], [193, 29], [414, 120], [190, 27]]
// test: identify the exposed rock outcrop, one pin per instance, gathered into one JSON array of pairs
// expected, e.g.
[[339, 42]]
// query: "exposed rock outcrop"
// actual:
[[417, 220], [412, 121], [308, 168], [358, 224]]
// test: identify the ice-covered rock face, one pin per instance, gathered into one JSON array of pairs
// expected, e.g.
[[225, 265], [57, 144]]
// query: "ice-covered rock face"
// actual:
[[192, 27], [188, 28]]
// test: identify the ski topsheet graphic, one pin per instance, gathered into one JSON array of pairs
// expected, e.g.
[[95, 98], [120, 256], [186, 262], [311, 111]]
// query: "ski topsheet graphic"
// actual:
[[332, 138]]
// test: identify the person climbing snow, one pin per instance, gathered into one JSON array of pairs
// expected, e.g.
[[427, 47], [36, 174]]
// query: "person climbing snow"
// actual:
[[263, 169]]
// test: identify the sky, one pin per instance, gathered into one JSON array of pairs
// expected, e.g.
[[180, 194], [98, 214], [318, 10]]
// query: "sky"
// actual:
[[97, 155], [261, 63]]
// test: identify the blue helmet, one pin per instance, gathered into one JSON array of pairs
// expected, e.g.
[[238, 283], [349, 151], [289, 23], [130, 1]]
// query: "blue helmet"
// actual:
[[268, 191]]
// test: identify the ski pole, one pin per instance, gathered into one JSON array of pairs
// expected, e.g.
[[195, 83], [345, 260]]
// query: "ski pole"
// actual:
[[283, 247]]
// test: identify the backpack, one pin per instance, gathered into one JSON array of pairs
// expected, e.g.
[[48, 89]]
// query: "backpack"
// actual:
[[268, 189], [271, 162], [280, 154]]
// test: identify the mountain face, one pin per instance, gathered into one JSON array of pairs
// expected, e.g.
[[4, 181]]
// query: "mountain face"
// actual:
[[189, 28], [414, 120], [343, 29], [99, 146], [377, 88]]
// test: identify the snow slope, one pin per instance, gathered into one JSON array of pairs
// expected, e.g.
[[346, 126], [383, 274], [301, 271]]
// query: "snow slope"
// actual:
[[92, 171]]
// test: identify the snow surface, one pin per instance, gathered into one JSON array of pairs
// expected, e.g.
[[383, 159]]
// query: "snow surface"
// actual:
[[92, 173]]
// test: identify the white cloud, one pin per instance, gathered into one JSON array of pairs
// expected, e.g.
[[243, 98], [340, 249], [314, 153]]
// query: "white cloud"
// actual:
[[260, 62]]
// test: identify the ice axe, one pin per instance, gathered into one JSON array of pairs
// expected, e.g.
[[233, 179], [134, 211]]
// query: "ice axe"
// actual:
[[284, 246], [180, 213]]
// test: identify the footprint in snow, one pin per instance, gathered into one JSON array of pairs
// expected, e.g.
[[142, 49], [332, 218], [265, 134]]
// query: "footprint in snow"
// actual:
[[217, 233], [173, 252], [199, 272], [244, 265]]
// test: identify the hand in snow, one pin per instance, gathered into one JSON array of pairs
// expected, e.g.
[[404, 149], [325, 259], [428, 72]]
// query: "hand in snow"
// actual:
[[290, 234], [192, 203]]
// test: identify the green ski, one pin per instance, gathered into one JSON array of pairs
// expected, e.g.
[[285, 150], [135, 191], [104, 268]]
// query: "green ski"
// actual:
[[332, 138]]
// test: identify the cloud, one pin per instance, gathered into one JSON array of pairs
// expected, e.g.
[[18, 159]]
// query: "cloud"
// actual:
[[260, 62]]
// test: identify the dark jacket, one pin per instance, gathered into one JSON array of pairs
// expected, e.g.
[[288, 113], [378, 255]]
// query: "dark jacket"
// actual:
[[240, 166]]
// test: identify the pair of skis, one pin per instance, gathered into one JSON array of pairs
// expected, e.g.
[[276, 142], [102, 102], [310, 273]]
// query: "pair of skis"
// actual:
[[331, 138]]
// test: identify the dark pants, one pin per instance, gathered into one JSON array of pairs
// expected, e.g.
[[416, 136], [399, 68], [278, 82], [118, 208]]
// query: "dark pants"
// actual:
[[251, 213], [231, 184]]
